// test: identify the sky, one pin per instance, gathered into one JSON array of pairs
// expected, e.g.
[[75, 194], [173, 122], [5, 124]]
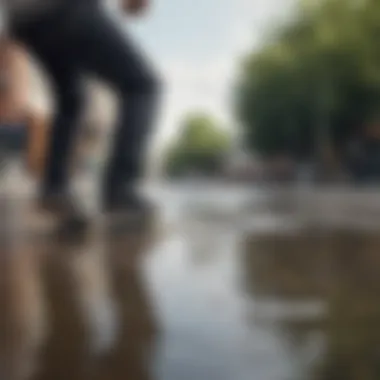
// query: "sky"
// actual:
[[196, 46]]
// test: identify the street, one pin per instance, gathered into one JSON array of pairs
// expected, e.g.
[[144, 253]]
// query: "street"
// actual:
[[220, 287]]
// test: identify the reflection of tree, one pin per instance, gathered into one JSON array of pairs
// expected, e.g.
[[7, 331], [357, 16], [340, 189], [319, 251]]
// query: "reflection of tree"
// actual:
[[287, 266], [341, 269], [352, 329], [353, 339]]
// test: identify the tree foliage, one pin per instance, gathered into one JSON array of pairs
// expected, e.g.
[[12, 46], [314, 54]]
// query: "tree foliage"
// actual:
[[321, 72], [201, 147]]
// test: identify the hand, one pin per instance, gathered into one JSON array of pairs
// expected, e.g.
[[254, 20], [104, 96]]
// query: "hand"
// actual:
[[135, 7]]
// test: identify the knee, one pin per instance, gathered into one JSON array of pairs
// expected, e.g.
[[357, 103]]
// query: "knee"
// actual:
[[147, 83], [71, 102]]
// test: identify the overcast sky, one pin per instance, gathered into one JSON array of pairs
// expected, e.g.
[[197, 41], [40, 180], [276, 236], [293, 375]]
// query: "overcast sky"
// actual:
[[196, 44]]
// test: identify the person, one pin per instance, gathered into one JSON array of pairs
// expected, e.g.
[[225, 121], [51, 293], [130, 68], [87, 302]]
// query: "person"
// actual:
[[71, 38]]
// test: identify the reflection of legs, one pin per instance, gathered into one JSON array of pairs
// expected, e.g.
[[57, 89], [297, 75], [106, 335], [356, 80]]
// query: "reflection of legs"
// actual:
[[67, 354], [138, 333], [22, 313]]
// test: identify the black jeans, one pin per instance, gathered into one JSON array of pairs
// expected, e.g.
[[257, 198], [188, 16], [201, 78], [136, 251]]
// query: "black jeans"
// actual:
[[82, 39]]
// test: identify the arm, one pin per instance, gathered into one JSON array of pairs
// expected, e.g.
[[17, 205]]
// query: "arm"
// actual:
[[20, 76], [38, 126], [134, 7]]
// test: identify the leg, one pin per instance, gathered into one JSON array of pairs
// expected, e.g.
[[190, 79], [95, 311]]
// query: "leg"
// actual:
[[55, 193], [69, 101], [104, 49], [47, 44], [57, 62]]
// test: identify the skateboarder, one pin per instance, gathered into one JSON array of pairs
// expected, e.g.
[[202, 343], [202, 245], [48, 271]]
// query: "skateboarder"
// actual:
[[71, 38]]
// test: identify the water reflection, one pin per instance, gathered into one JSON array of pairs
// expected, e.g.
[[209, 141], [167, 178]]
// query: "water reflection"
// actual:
[[23, 313], [92, 294], [337, 270], [132, 356], [205, 301], [67, 352]]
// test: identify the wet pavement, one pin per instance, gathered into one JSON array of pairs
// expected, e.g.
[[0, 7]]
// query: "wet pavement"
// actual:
[[211, 291]]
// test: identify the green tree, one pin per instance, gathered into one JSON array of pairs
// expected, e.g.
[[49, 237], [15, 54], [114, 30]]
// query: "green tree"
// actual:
[[201, 146], [317, 81]]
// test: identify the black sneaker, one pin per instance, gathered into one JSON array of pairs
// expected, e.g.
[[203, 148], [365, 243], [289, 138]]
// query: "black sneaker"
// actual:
[[127, 212], [64, 207], [127, 202]]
